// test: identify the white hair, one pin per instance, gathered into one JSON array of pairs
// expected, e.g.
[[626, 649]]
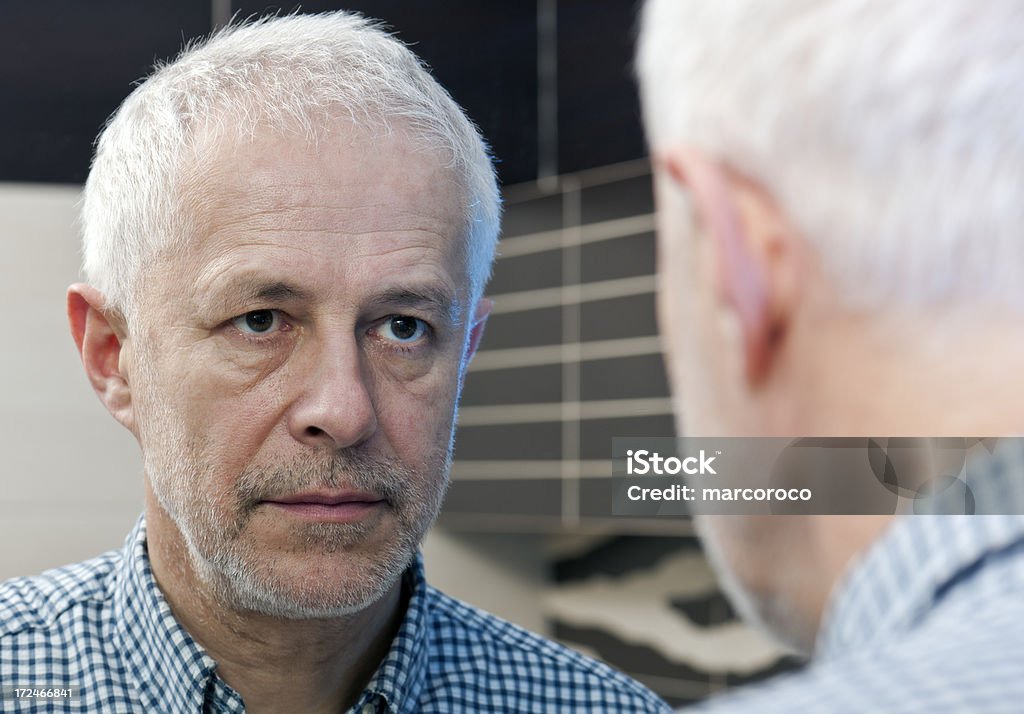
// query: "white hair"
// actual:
[[890, 133], [293, 73]]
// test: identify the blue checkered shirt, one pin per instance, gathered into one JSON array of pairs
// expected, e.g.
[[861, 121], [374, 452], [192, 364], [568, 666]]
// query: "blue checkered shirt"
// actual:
[[930, 621], [105, 627]]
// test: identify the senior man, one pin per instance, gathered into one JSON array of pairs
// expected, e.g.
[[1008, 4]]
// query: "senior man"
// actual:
[[287, 232], [839, 193]]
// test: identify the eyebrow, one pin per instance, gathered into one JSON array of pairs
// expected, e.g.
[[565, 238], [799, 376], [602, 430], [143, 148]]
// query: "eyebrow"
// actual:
[[275, 292], [428, 298], [256, 289]]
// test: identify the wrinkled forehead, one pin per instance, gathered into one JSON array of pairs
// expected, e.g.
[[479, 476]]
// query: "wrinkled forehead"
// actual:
[[350, 185], [373, 148]]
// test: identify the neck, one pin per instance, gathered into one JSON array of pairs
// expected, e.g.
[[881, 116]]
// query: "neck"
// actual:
[[912, 375], [924, 375], [275, 664]]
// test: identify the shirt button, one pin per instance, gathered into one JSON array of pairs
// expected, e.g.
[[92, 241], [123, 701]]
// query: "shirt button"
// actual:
[[369, 708]]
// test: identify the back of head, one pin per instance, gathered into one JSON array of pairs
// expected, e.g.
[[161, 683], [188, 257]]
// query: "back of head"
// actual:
[[857, 157], [889, 133], [299, 74]]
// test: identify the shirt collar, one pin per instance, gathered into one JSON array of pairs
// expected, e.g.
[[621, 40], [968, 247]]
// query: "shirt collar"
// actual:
[[173, 673], [904, 573]]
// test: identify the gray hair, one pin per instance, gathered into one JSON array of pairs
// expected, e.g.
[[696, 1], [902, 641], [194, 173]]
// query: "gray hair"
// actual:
[[292, 73], [890, 133]]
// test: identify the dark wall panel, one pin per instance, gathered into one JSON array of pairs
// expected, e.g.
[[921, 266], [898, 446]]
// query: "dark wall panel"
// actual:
[[541, 213], [485, 54], [510, 442], [65, 65], [527, 272], [507, 497], [617, 258], [520, 385], [617, 199], [542, 326], [598, 109], [638, 377], [631, 316]]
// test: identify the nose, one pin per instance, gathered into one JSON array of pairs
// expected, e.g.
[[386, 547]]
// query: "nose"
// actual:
[[335, 408]]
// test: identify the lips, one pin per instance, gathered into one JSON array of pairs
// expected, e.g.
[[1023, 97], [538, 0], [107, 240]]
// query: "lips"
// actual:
[[329, 506], [328, 498]]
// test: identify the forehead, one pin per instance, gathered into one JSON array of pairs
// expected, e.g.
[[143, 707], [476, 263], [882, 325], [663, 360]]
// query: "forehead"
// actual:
[[355, 200]]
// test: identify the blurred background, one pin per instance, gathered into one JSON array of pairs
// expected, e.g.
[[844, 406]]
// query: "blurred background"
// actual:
[[570, 358]]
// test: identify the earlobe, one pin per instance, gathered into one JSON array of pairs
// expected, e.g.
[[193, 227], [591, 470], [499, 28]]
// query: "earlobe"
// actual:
[[100, 336], [740, 274]]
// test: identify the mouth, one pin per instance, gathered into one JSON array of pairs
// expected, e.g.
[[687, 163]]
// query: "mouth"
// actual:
[[329, 506]]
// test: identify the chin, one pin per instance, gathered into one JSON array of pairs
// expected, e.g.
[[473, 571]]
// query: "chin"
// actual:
[[318, 570], [308, 585]]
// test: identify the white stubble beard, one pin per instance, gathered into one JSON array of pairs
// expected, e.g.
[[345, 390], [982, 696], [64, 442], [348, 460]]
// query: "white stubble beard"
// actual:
[[243, 579]]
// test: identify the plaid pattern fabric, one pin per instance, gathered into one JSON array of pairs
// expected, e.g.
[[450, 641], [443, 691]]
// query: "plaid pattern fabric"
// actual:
[[104, 626], [930, 621]]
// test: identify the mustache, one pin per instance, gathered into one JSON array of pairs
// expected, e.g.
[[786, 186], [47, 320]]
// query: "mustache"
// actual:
[[387, 478]]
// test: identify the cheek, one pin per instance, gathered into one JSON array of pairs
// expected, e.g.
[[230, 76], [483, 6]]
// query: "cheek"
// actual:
[[682, 339], [682, 285], [227, 422], [417, 417]]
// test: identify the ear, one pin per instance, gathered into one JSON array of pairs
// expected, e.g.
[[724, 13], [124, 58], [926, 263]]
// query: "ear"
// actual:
[[100, 336], [748, 249], [476, 330]]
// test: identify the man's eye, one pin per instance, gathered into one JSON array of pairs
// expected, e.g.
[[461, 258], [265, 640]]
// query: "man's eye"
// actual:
[[401, 328], [258, 322]]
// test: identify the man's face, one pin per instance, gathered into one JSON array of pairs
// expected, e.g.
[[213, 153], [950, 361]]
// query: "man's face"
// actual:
[[298, 368]]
